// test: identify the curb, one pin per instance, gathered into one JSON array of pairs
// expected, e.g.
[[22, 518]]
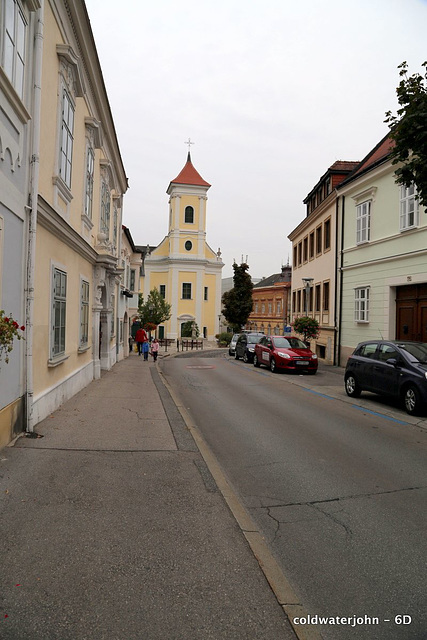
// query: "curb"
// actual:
[[285, 595]]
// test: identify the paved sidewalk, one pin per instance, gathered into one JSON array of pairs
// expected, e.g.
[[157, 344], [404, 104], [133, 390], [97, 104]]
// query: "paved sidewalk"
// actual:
[[111, 527]]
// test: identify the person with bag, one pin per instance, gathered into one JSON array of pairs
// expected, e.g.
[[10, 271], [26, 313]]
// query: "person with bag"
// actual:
[[141, 337]]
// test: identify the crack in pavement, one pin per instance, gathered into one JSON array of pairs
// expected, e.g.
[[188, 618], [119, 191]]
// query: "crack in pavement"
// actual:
[[316, 505], [350, 497]]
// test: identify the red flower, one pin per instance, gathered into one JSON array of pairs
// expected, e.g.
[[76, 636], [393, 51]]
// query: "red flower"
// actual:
[[22, 328], [15, 324]]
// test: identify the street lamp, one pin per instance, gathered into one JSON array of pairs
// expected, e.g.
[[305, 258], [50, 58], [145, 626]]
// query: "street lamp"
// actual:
[[307, 285]]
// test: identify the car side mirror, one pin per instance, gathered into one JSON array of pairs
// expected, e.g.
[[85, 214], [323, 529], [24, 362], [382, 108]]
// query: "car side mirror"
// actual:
[[393, 361]]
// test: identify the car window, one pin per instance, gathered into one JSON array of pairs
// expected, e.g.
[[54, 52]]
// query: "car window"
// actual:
[[368, 350], [281, 342], [263, 341], [387, 351], [296, 343], [418, 351], [254, 339]]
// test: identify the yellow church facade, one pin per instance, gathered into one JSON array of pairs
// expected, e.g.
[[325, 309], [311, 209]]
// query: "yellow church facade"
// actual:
[[183, 268]]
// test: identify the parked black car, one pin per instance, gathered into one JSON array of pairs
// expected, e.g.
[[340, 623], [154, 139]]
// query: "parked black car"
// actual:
[[245, 346], [396, 368]]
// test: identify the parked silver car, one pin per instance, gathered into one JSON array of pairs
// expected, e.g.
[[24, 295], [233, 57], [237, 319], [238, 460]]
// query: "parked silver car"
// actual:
[[232, 345]]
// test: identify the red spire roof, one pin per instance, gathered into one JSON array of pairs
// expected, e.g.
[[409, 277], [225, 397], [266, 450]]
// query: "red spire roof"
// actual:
[[189, 175]]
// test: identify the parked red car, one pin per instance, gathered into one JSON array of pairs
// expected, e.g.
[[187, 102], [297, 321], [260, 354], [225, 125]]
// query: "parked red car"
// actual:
[[287, 353]]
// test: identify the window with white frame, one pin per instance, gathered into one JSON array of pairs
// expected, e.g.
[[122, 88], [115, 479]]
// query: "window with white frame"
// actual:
[[132, 280], [162, 291], [105, 208], [59, 310], [115, 222], [409, 211], [363, 222], [84, 313], [67, 129], [113, 314], [186, 290], [361, 304], [206, 293], [13, 40], [90, 165]]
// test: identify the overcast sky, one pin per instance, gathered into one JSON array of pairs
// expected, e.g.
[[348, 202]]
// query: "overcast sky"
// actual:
[[272, 92]]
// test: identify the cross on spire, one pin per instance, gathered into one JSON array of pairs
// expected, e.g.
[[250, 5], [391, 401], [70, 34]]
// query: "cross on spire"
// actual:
[[189, 143]]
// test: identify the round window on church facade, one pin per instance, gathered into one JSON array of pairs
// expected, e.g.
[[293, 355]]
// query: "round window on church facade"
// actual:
[[188, 245]]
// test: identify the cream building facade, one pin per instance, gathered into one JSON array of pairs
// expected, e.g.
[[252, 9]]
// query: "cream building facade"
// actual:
[[80, 186], [66, 195], [314, 246], [185, 270], [18, 25], [383, 257]]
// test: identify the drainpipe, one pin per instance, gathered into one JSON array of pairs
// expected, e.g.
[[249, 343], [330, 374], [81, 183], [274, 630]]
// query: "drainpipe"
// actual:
[[32, 220], [341, 279], [336, 280]]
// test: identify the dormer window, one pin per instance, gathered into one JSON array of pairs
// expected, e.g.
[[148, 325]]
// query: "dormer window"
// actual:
[[189, 215]]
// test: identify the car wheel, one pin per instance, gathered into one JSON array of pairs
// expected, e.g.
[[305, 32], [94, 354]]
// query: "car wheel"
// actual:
[[351, 386], [236, 357], [229, 352], [245, 357], [412, 400], [256, 363], [273, 367]]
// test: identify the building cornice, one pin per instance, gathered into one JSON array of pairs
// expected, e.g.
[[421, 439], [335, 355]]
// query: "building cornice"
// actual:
[[321, 210], [48, 218], [76, 30]]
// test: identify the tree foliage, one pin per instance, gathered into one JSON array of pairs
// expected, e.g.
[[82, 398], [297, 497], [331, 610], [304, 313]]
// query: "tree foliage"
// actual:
[[238, 301], [308, 327], [155, 309], [409, 131]]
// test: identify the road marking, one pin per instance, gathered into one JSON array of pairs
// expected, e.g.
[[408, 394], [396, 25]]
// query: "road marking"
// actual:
[[380, 415], [355, 406], [317, 393], [200, 366]]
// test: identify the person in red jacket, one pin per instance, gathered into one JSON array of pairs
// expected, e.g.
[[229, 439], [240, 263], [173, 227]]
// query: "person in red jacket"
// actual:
[[140, 337]]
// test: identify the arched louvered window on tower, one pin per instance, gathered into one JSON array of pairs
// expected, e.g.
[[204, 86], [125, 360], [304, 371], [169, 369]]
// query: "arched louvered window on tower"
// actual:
[[189, 215]]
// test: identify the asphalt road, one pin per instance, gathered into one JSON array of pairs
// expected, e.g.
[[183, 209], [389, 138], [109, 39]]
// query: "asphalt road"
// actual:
[[339, 490]]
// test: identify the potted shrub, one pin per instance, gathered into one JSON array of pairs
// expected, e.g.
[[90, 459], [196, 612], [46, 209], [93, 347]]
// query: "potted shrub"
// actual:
[[308, 327]]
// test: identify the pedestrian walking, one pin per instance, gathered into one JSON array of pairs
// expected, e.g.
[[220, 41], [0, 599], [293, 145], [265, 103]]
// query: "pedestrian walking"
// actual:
[[155, 349], [141, 337], [145, 349]]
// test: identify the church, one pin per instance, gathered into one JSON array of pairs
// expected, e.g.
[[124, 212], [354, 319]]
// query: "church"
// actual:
[[184, 269]]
